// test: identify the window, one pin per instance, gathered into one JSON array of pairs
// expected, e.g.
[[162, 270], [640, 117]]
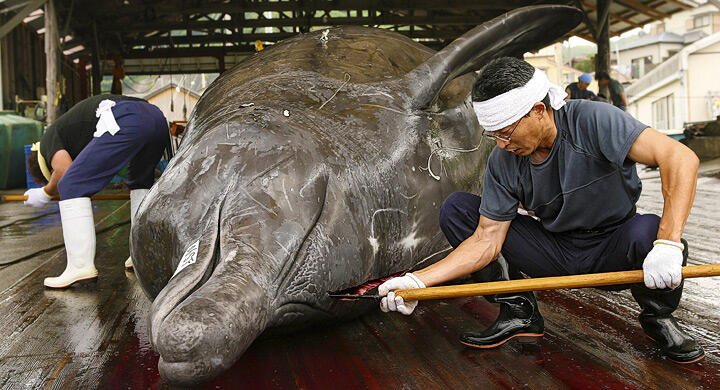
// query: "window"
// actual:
[[664, 112], [640, 66], [701, 21]]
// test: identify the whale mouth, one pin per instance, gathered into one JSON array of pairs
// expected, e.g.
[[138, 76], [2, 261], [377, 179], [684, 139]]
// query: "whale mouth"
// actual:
[[364, 288], [192, 272]]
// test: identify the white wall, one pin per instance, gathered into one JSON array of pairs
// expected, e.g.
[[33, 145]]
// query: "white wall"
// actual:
[[691, 94], [677, 23], [642, 108], [162, 100], [703, 78], [658, 51]]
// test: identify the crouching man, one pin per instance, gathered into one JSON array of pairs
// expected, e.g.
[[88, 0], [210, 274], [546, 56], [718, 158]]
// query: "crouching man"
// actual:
[[572, 163]]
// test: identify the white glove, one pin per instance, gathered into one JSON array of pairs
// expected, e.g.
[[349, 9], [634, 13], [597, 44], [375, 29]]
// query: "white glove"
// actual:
[[393, 303], [663, 265], [37, 197]]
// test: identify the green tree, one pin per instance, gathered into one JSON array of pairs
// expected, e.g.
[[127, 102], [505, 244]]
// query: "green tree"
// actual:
[[587, 66]]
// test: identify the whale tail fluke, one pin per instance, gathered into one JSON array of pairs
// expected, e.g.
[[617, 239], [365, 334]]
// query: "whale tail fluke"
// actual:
[[511, 34]]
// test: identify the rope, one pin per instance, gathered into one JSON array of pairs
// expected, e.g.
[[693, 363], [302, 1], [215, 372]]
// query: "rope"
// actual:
[[451, 149], [347, 79]]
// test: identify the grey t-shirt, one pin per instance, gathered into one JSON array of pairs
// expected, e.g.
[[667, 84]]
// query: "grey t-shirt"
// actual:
[[586, 182]]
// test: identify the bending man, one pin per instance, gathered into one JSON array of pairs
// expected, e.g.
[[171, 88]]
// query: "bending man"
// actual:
[[79, 154]]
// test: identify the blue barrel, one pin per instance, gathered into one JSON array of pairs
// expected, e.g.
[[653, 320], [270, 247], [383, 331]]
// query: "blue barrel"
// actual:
[[29, 179], [15, 133]]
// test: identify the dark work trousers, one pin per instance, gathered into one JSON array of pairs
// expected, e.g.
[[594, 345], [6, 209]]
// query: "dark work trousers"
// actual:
[[537, 252], [141, 140]]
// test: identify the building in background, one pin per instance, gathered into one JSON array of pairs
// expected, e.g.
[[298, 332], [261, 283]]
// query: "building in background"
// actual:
[[550, 60], [674, 69], [175, 95], [638, 55], [684, 88], [704, 18], [174, 101]]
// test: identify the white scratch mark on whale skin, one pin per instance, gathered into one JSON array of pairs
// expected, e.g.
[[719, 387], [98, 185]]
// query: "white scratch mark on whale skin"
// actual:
[[372, 220], [206, 164], [287, 251], [262, 206], [374, 244], [373, 240], [410, 242], [286, 195]]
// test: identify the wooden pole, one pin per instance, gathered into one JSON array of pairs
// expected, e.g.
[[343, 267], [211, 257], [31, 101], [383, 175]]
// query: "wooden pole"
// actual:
[[51, 55], [602, 58], [22, 198], [82, 73], [551, 283], [18, 18], [96, 75]]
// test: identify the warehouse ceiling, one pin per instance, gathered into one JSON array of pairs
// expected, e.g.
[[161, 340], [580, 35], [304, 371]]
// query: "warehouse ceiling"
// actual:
[[176, 36]]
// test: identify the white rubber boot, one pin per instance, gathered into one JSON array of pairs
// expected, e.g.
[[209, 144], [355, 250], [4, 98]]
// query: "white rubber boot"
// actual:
[[78, 230], [136, 197]]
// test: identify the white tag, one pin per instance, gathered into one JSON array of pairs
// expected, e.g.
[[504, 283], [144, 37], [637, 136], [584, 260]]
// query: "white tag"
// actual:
[[189, 257]]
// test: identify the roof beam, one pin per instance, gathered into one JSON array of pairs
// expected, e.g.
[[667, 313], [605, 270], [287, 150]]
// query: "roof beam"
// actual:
[[643, 9], [13, 7], [18, 18], [588, 23], [378, 5], [265, 37], [679, 4], [466, 20], [614, 16]]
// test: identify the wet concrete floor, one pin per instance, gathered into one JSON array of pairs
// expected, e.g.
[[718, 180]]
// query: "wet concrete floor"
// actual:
[[94, 335]]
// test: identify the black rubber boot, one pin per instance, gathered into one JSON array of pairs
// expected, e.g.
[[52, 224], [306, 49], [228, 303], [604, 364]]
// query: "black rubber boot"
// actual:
[[659, 325], [519, 315]]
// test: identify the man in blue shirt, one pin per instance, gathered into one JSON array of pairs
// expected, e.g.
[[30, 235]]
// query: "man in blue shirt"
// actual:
[[572, 165], [578, 90]]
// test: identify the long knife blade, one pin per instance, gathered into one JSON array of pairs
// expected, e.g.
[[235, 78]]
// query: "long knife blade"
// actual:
[[354, 296]]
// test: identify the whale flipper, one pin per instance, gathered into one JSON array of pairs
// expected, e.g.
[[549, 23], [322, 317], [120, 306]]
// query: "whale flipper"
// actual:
[[511, 34]]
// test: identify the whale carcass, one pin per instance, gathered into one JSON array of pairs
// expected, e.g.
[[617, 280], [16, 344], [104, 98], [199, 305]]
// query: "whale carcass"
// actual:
[[313, 166]]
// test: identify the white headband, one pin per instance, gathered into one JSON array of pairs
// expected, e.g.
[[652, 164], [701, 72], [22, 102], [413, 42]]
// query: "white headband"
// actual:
[[504, 109]]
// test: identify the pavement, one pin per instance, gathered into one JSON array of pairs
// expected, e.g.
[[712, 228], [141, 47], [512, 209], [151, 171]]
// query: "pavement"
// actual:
[[95, 335]]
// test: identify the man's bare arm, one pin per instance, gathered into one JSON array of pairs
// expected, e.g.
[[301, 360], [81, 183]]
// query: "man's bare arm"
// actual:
[[473, 254], [623, 96], [678, 174], [61, 161]]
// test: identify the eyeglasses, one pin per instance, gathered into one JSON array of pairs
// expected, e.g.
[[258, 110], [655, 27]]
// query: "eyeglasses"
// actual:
[[505, 138]]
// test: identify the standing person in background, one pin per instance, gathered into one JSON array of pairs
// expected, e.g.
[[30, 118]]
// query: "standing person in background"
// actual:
[[79, 154], [578, 90], [118, 74], [617, 92]]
